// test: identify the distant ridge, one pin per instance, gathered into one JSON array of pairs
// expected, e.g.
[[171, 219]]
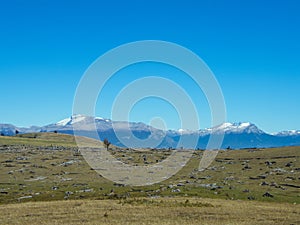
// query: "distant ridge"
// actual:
[[236, 135]]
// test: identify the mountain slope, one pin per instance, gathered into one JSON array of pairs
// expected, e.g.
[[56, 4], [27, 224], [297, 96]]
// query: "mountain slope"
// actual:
[[133, 134]]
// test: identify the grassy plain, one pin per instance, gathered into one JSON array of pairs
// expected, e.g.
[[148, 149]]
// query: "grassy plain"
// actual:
[[44, 180], [150, 211]]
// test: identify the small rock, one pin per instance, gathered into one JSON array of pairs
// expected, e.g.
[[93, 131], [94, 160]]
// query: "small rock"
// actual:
[[247, 167], [263, 176], [264, 183], [273, 184], [279, 170], [288, 164], [25, 197], [68, 193], [251, 198], [268, 163], [68, 163], [267, 194], [229, 178], [87, 190]]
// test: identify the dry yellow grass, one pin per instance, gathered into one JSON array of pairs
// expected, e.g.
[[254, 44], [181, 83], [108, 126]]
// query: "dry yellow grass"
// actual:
[[150, 211]]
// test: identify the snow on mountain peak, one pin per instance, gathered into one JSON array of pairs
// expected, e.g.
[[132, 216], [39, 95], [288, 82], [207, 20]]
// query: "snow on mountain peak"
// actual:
[[288, 133], [185, 131], [82, 121], [71, 120], [235, 127], [78, 118], [247, 124], [63, 122], [224, 126]]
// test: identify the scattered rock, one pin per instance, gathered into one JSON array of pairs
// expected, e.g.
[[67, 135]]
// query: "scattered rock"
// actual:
[[263, 176], [68, 163], [86, 190], [37, 178], [8, 161], [268, 163], [251, 198], [290, 178], [213, 186], [247, 167], [229, 178], [25, 197], [192, 177], [213, 168], [204, 178], [66, 179], [267, 194], [289, 164], [274, 184], [67, 194], [21, 158], [279, 171], [264, 183], [119, 185], [291, 185]]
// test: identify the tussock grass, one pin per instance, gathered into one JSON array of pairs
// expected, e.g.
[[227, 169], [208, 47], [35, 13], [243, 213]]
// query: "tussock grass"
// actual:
[[159, 211], [49, 182]]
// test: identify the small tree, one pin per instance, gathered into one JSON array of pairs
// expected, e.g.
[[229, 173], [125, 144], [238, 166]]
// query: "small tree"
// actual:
[[17, 132], [106, 143]]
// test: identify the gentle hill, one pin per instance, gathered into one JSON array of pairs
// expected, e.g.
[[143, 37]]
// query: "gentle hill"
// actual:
[[47, 139], [39, 139]]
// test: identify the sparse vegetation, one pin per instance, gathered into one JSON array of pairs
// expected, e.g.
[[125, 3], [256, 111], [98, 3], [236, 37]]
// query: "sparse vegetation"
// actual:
[[49, 168], [155, 211]]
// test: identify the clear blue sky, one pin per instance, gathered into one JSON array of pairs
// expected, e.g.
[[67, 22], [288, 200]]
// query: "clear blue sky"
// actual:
[[253, 48]]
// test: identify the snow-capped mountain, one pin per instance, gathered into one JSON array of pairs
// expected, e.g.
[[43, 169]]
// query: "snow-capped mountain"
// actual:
[[122, 133], [88, 123], [288, 133], [235, 128]]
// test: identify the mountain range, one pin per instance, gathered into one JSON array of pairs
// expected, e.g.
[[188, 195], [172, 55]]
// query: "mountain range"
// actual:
[[133, 134]]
